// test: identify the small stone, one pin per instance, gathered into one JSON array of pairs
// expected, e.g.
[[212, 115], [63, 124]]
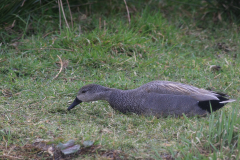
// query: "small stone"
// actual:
[[88, 143]]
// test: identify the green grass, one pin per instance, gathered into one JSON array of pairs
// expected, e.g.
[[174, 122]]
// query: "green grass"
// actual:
[[33, 104]]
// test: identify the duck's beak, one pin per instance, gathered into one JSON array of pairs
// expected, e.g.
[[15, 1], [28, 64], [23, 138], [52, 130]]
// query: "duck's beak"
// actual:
[[75, 102]]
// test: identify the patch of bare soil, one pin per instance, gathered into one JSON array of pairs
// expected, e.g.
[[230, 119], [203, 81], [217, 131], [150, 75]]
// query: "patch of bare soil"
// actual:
[[41, 150]]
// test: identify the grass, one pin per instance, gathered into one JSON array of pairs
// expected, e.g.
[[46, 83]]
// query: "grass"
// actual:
[[33, 103]]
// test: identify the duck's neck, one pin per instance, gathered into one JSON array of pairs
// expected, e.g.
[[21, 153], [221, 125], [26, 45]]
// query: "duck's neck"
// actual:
[[104, 93]]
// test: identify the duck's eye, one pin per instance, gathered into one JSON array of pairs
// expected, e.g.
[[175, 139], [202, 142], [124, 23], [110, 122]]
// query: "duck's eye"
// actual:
[[84, 91]]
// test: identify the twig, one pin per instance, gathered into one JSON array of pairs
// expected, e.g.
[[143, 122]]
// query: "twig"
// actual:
[[129, 20], [228, 86], [70, 13], [13, 23], [64, 13], [11, 149], [60, 68], [49, 48], [217, 76], [135, 58], [49, 33], [23, 3]]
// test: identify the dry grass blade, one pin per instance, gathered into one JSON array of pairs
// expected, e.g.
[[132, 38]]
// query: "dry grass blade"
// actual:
[[50, 33], [64, 13], [60, 68], [70, 13], [129, 20], [50, 49]]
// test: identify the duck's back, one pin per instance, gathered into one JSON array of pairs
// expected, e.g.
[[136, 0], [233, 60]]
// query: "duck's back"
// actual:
[[175, 88]]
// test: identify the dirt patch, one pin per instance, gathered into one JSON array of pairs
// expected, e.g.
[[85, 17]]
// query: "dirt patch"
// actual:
[[41, 150]]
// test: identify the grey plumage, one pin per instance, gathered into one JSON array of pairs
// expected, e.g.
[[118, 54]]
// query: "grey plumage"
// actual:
[[157, 98]]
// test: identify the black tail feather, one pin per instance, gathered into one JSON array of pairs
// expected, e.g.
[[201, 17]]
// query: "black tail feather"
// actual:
[[215, 104]]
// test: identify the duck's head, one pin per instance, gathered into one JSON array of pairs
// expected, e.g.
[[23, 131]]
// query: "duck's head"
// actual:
[[88, 93]]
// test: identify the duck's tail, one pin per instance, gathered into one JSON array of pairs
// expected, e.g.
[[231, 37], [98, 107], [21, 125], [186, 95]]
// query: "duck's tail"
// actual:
[[215, 104]]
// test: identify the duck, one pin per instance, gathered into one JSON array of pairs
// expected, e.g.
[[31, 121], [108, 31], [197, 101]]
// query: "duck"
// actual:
[[156, 98]]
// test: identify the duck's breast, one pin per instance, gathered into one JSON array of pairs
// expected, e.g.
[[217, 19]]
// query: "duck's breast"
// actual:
[[127, 101]]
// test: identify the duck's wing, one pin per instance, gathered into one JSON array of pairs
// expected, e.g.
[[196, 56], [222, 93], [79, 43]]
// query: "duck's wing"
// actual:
[[167, 87]]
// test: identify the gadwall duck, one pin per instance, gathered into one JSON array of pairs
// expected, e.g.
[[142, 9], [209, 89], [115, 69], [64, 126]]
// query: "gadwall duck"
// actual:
[[156, 98]]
